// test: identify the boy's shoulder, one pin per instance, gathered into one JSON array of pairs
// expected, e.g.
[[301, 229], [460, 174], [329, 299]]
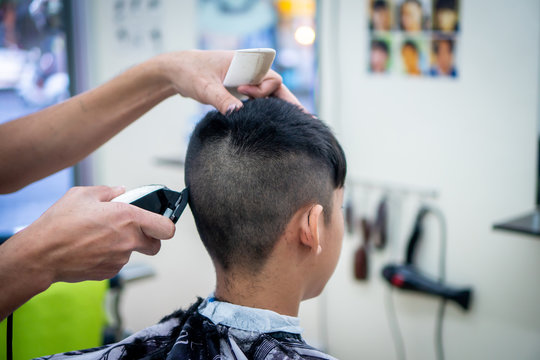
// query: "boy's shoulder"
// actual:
[[190, 335], [283, 346]]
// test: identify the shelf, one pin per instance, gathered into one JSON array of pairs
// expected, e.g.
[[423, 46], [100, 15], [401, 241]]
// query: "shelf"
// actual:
[[525, 224]]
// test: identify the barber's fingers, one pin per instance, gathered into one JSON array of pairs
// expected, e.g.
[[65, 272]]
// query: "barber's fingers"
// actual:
[[146, 229], [149, 246], [153, 225], [217, 96], [284, 93], [270, 87], [267, 87]]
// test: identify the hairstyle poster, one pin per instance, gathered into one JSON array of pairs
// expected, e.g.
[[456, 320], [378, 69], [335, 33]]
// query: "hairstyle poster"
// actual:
[[414, 37]]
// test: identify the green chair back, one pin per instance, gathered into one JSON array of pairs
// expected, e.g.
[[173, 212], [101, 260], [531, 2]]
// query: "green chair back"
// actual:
[[65, 317]]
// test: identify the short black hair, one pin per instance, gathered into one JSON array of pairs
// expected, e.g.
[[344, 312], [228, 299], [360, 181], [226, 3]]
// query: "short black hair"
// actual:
[[248, 172], [409, 43], [437, 42], [416, 2], [446, 4], [379, 44], [380, 5]]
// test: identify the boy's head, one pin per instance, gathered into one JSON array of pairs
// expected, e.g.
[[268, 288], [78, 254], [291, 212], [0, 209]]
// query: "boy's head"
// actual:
[[446, 15], [379, 56], [410, 56], [444, 54], [411, 15], [250, 172], [381, 16]]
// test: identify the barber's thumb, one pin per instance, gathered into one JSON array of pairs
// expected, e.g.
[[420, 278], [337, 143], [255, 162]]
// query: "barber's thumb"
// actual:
[[117, 191], [222, 99], [107, 193]]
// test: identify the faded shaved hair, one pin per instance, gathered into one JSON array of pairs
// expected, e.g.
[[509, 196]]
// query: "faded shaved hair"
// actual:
[[248, 172]]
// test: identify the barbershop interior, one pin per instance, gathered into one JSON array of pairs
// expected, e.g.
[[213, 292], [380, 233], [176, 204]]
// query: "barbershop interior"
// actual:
[[436, 104]]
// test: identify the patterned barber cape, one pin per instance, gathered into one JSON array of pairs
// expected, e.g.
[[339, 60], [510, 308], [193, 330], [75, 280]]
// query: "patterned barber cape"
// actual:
[[210, 329]]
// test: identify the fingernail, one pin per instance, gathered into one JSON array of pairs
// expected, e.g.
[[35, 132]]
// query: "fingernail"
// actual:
[[119, 188], [234, 107]]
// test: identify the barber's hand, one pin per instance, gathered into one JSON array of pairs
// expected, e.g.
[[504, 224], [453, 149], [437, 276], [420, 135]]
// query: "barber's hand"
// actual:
[[199, 74], [85, 237], [282, 92]]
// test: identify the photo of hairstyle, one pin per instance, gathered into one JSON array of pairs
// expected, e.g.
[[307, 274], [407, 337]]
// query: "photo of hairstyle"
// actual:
[[443, 57], [379, 55], [413, 52], [414, 37], [381, 18], [446, 16]]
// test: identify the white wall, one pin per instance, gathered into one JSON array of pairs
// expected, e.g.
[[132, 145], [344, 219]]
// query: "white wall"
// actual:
[[474, 141]]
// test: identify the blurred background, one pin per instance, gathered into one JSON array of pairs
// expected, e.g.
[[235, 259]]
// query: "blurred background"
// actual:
[[436, 104]]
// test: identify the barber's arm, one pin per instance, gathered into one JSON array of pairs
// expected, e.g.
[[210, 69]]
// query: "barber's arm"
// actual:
[[42, 143], [84, 236]]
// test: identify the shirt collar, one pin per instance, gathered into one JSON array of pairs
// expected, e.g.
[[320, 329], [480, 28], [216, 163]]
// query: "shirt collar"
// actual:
[[247, 318]]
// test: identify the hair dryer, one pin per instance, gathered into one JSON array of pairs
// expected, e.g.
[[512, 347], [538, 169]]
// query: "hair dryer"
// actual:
[[408, 277]]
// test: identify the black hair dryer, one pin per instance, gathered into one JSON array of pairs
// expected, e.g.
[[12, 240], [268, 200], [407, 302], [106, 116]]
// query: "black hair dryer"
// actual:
[[408, 277]]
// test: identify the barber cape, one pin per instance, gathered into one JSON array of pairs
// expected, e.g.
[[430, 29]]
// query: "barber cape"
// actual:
[[211, 329]]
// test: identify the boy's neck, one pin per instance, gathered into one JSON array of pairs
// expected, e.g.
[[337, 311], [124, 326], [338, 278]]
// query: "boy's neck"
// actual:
[[262, 291]]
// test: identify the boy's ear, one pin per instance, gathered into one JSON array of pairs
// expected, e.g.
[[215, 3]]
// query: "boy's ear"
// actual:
[[310, 228]]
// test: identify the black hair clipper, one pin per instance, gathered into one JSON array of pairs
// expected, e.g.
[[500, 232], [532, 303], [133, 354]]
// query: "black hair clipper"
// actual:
[[158, 199]]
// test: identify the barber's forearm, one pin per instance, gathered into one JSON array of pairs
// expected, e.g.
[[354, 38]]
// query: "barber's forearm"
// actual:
[[42, 143], [57, 137], [21, 277]]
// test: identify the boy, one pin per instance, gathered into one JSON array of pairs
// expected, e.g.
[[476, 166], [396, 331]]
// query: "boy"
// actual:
[[266, 191], [411, 16], [380, 16], [411, 58], [443, 49], [446, 16], [379, 56]]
